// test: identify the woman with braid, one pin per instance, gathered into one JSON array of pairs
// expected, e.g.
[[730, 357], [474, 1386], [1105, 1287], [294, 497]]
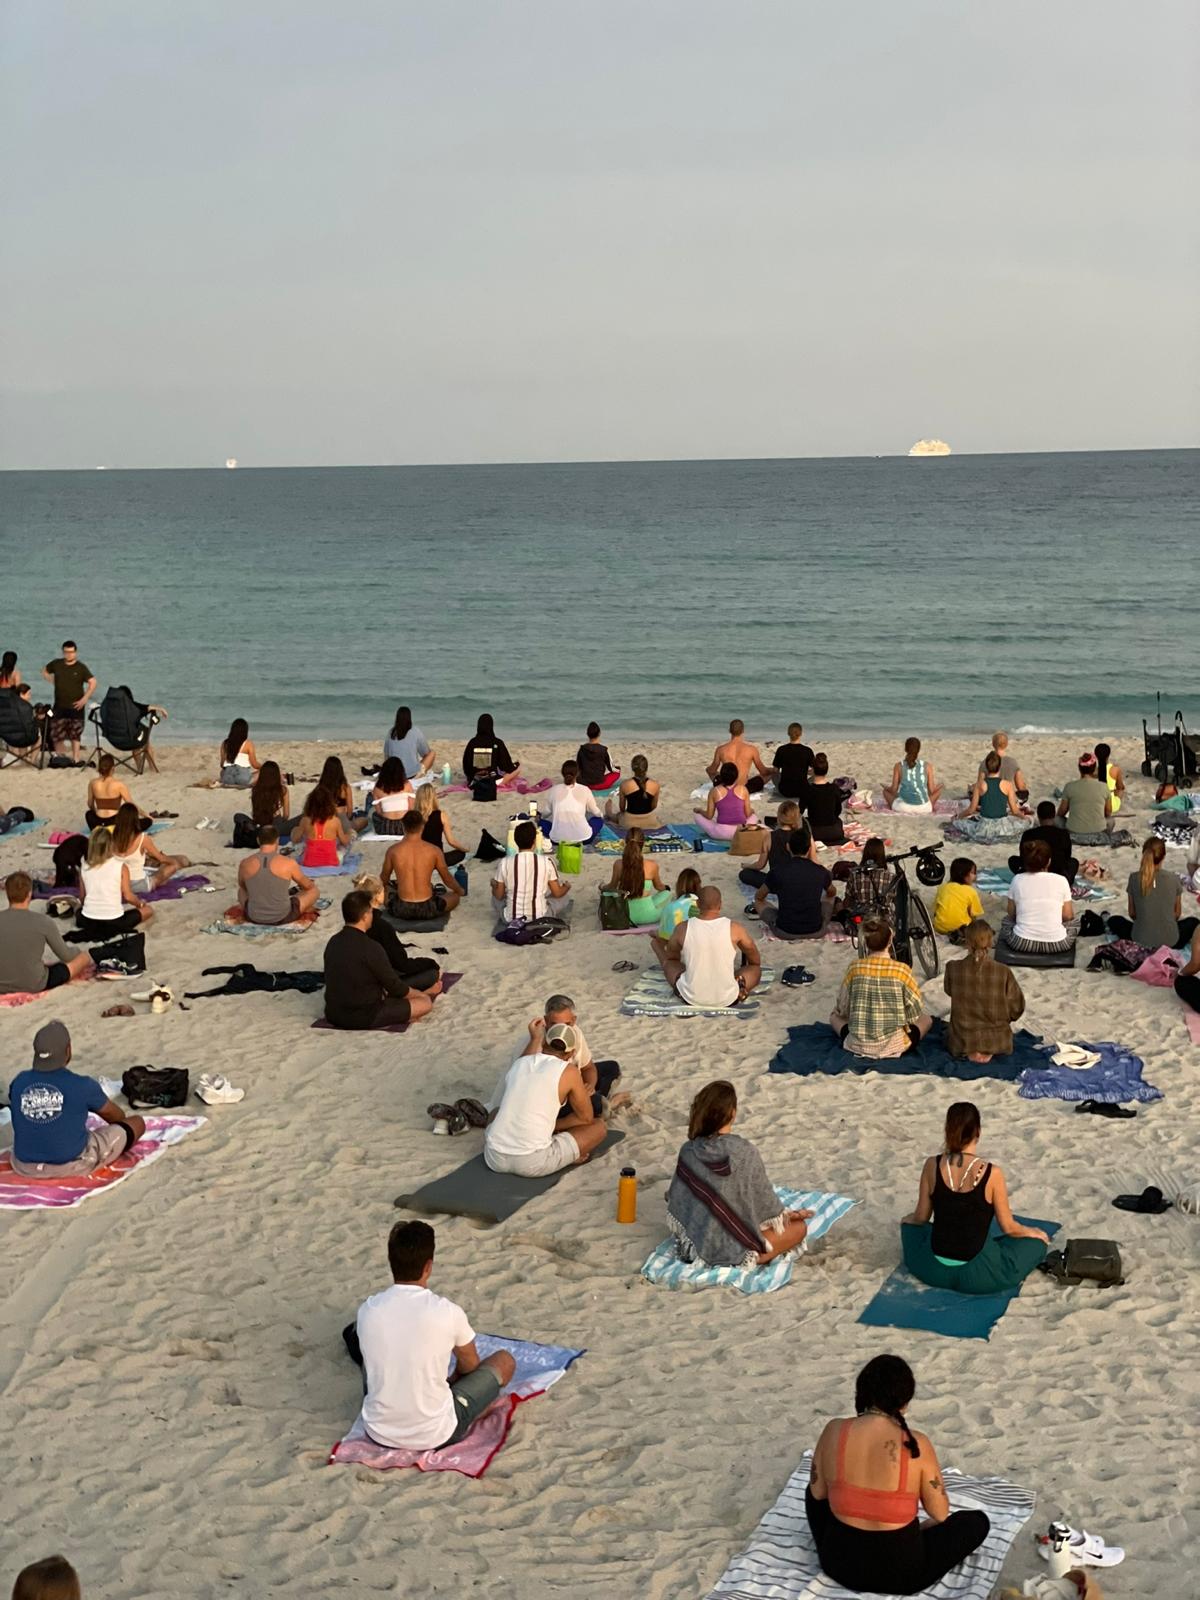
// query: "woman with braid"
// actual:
[[870, 1473]]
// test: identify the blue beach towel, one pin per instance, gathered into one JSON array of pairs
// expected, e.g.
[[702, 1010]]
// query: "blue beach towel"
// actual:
[[690, 835], [663, 1266], [812, 1048], [1116, 1078], [350, 864], [903, 1301], [23, 827]]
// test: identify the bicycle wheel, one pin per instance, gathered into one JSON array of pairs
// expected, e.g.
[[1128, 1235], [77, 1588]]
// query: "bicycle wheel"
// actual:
[[921, 938]]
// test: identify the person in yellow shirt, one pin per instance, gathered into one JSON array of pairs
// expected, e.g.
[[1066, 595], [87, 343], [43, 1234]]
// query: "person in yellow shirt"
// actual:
[[957, 903]]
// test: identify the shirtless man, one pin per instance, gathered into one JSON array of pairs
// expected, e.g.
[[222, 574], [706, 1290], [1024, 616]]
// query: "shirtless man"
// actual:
[[265, 882], [743, 755], [701, 958], [413, 862]]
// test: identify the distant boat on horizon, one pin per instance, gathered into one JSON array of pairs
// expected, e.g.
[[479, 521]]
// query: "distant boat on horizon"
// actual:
[[930, 447], [231, 462]]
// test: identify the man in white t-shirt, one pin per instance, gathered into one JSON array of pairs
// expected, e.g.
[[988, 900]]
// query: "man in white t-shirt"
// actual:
[[571, 804], [527, 1133], [406, 1336], [1040, 907], [527, 884]]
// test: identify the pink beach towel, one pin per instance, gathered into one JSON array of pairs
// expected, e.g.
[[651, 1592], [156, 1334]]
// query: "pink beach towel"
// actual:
[[35, 1194], [23, 998], [539, 1366]]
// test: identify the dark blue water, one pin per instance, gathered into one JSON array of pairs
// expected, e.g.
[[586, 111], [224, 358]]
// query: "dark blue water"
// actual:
[[1047, 591]]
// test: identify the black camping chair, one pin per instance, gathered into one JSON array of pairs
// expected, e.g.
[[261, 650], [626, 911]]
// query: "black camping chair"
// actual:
[[127, 727], [23, 732]]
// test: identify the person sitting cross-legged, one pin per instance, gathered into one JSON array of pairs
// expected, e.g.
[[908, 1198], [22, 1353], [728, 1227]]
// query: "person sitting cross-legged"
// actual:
[[985, 999], [527, 884], [362, 988], [50, 1106], [709, 960], [880, 1011], [1057, 840], [527, 1133], [774, 846], [413, 862], [25, 936], [272, 888], [803, 888], [419, 972], [405, 1339]]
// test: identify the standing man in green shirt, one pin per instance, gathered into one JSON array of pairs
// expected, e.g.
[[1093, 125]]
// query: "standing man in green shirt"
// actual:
[[74, 686]]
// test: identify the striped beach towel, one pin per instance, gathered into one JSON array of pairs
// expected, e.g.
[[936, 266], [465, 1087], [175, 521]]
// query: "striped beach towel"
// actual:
[[653, 996], [38, 1194], [663, 1266], [780, 1562]]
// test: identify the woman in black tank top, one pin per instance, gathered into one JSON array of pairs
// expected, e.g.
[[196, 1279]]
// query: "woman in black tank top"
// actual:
[[951, 1240], [437, 830], [636, 798]]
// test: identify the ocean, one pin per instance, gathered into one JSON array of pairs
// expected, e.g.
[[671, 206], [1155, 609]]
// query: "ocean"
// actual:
[[859, 596]]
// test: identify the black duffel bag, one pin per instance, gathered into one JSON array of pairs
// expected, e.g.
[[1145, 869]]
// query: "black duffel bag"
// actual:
[[155, 1086]]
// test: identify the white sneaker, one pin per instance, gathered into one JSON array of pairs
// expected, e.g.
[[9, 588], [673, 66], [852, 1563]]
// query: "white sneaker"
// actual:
[[204, 822], [215, 1090]]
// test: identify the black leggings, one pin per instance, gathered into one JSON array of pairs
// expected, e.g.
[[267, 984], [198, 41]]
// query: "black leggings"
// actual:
[[1188, 990], [1123, 929], [94, 820], [125, 923], [898, 1561]]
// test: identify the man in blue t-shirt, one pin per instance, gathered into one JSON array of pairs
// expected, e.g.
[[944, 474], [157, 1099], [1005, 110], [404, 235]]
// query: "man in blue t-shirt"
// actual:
[[803, 888], [50, 1105]]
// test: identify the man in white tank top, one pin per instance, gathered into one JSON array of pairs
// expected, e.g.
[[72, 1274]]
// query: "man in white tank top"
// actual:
[[525, 1134], [702, 957]]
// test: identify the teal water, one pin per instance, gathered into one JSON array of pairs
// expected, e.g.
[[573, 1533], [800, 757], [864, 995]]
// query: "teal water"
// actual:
[[869, 595]]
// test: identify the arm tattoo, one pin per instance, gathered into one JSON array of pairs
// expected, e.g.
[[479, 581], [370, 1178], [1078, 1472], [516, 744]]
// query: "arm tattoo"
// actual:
[[936, 1484]]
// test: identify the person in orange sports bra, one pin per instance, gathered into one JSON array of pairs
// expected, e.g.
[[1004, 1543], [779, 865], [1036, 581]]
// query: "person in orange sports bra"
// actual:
[[870, 1473], [321, 830]]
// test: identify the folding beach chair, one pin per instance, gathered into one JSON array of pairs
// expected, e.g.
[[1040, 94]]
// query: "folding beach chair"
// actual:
[[126, 726], [22, 732]]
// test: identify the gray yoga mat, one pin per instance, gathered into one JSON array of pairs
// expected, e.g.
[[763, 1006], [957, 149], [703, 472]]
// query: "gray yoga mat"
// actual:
[[474, 1190]]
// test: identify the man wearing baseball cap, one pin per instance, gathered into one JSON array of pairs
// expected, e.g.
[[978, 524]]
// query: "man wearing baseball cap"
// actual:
[[1086, 803], [526, 1134], [50, 1106]]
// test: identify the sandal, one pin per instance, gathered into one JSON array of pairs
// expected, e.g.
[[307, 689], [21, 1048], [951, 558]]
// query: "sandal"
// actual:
[[625, 966], [1104, 1108], [119, 1011]]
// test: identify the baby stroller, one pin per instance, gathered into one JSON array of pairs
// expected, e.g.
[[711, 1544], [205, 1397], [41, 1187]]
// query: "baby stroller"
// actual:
[[1173, 755]]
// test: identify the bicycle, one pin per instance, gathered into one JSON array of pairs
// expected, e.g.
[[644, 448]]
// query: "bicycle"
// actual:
[[912, 928]]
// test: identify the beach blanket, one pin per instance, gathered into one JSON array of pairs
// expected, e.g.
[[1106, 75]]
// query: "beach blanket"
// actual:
[[234, 921], [350, 863], [942, 808], [474, 1190], [658, 842], [521, 786], [176, 888], [985, 830], [1178, 802], [1116, 1078], [1171, 829], [449, 979], [539, 1366], [998, 880], [23, 827], [905, 1302], [663, 1266], [652, 996], [812, 1048], [689, 836], [35, 1194], [780, 1561]]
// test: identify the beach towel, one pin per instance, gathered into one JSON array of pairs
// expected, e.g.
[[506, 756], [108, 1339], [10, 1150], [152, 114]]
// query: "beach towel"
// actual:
[[985, 830], [35, 1194], [350, 863], [652, 996], [664, 1268], [689, 835], [521, 786], [539, 1367], [24, 997], [998, 880], [22, 827], [1117, 1078], [449, 979], [812, 1047], [903, 1301], [1172, 829], [234, 921], [474, 1190], [176, 888], [1117, 839], [780, 1561]]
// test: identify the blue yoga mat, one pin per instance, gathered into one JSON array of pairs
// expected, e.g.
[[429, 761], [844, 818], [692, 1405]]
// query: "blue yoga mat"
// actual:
[[812, 1048], [903, 1301], [23, 827], [691, 834]]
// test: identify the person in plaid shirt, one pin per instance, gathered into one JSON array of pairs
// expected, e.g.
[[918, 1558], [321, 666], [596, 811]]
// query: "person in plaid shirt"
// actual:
[[880, 1010]]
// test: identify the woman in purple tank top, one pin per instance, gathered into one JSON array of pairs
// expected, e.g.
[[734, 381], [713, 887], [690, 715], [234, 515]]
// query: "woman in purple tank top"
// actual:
[[728, 807]]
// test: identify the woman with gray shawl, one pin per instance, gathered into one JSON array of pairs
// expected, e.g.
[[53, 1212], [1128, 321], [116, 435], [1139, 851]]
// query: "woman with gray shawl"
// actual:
[[722, 1208]]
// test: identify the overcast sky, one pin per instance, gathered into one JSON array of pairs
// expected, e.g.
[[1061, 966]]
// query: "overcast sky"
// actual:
[[305, 233]]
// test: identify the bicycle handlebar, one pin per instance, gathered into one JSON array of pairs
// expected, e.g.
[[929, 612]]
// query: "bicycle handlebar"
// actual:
[[917, 850]]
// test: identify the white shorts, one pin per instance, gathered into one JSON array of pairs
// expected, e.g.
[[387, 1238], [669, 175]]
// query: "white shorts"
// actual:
[[562, 1151]]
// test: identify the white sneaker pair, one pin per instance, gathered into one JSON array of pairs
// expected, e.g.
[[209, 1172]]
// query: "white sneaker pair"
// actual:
[[208, 822], [215, 1090]]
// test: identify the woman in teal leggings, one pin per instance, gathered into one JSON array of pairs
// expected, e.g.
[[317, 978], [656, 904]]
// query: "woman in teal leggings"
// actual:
[[949, 1241], [636, 881]]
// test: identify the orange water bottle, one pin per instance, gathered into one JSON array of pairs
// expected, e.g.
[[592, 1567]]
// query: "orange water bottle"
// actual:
[[627, 1195]]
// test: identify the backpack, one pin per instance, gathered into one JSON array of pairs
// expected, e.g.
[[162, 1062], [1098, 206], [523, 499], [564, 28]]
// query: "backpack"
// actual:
[[532, 930], [155, 1086], [245, 832], [490, 849], [1085, 1261], [614, 912], [483, 788]]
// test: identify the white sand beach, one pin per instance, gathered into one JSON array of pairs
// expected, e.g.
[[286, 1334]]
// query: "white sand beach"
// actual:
[[171, 1365]]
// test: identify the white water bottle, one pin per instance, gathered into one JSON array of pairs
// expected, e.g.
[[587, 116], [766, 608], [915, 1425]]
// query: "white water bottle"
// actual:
[[446, 772], [1060, 1560]]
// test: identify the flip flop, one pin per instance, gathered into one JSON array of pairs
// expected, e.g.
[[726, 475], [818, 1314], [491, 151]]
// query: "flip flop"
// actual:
[[1150, 1201], [625, 966], [1102, 1108], [128, 1011]]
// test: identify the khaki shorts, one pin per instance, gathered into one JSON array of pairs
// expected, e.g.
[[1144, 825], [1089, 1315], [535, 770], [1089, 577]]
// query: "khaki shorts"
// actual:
[[103, 1147], [562, 1151]]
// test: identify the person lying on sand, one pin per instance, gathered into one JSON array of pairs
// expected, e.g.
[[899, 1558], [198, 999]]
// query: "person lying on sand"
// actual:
[[880, 1011], [709, 960], [743, 755], [362, 988], [527, 1133], [50, 1106], [722, 1208], [272, 888], [961, 1195], [413, 862], [405, 1339]]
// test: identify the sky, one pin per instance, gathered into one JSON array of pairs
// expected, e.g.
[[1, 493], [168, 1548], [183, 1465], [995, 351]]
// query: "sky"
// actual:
[[533, 230]]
